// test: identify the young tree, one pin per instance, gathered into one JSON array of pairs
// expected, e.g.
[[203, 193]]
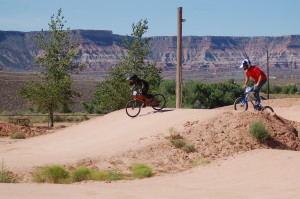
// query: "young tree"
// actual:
[[54, 92], [114, 92]]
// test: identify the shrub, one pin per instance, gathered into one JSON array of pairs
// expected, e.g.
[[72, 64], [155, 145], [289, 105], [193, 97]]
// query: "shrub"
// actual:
[[17, 136], [113, 176], [178, 143], [107, 176], [7, 176], [141, 171], [258, 131], [189, 148], [52, 174], [81, 173], [199, 161], [174, 134]]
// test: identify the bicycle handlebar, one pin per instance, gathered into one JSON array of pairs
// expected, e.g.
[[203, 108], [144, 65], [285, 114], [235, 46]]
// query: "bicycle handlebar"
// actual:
[[249, 89], [134, 92]]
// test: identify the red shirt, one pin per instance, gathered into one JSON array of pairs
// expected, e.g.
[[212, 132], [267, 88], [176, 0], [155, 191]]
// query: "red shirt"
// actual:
[[255, 72]]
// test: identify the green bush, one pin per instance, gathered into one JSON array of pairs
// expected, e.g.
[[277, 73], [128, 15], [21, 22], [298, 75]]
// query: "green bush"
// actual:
[[201, 95], [52, 174], [189, 148], [141, 171], [258, 131], [114, 176], [178, 143], [17, 136], [199, 161], [7, 176], [81, 173], [174, 134], [107, 176]]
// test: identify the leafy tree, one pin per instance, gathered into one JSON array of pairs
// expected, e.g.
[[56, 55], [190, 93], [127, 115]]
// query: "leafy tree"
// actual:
[[114, 92], [54, 92]]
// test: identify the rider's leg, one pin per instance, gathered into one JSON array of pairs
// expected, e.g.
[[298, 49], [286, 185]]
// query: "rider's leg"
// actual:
[[256, 92], [145, 92]]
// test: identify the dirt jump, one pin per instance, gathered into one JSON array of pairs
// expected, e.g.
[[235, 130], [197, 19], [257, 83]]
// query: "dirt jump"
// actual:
[[240, 166]]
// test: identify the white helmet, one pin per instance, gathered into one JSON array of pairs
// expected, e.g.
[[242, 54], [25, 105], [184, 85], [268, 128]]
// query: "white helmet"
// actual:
[[245, 62]]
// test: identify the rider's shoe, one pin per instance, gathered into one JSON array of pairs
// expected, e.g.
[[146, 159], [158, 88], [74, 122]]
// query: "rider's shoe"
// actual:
[[258, 107]]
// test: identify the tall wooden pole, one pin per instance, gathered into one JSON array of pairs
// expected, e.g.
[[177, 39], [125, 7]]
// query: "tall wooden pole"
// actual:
[[179, 60], [268, 74]]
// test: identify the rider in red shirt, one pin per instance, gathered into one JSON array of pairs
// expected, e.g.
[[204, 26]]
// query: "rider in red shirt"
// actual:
[[259, 77]]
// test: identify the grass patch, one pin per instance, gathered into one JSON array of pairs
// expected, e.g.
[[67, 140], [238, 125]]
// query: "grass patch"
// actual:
[[258, 131], [189, 148], [17, 135], [141, 171], [59, 175], [178, 143], [199, 161], [107, 176], [7, 176], [173, 134], [81, 173], [53, 174]]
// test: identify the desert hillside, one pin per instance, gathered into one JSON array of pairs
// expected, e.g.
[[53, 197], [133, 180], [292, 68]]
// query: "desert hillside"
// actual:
[[100, 49]]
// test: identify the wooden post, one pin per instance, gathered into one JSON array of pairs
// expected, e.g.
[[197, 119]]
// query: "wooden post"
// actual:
[[268, 75], [179, 60]]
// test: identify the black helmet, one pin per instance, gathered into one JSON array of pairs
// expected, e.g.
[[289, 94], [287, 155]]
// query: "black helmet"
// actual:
[[132, 79]]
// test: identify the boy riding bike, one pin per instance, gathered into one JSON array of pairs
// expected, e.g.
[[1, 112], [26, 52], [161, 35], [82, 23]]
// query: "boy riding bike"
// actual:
[[135, 82], [259, 77]]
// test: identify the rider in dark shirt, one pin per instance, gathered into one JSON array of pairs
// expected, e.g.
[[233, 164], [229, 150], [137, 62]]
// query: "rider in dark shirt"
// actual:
[[135, 82]]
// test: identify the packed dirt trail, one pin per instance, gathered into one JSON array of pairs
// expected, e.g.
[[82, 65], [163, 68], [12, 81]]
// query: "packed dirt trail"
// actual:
[[102, 136], [254, 174], [267, 174]]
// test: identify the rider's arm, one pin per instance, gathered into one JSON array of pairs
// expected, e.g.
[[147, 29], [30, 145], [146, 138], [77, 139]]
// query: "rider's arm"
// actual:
[[133, 87], [246, 81], [142, 85], [259, 80]]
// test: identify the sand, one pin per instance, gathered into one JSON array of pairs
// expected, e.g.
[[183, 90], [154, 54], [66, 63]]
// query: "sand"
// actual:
[[116, 141]]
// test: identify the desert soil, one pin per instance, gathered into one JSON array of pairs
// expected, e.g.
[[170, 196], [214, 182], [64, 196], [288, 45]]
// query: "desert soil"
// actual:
[[240, 166]]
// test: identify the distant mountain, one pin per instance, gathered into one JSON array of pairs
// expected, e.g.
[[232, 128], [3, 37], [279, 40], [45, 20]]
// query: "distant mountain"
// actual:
[[100, 50]]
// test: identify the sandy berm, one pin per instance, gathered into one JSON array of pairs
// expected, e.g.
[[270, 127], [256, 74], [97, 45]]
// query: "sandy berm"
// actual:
[[240, 167]]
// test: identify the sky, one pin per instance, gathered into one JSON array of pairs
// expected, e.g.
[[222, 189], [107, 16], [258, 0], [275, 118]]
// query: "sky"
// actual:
[[203, 17]]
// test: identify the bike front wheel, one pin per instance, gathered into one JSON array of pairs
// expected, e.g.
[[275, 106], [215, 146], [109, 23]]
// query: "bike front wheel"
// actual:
[[133, 108], [158, 102], [240, 104], [268, 109]]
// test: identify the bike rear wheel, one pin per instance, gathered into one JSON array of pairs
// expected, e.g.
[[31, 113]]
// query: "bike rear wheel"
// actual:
[[158, 102], [240, 104], [268, 109], [133, 108]]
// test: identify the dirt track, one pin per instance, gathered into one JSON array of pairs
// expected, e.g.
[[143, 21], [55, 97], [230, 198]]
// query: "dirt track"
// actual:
[[260, 173]]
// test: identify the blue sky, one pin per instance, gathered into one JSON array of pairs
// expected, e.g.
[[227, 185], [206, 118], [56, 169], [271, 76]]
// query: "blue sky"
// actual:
[[203, 17]]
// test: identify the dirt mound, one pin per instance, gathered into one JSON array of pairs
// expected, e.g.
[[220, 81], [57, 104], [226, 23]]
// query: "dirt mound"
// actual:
[[220, 137], [7, 129]]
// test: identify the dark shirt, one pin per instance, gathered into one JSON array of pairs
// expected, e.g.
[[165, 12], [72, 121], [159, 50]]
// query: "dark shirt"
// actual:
[[142, 83]]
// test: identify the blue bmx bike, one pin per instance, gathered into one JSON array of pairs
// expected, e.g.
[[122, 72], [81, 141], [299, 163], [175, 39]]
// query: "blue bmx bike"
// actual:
[[241, 103]]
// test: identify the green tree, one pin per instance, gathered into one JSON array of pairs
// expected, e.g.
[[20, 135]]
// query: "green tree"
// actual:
[[114, 92], [57, 64]]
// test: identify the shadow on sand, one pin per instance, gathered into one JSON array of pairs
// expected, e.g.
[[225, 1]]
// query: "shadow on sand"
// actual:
[[153, 112]]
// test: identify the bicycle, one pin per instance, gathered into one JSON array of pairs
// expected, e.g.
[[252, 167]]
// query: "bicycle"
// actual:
[[133, 107], [241, 103]]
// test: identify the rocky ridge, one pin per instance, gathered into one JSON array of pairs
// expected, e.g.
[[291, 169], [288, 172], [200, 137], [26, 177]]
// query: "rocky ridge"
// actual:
[[101, 49]]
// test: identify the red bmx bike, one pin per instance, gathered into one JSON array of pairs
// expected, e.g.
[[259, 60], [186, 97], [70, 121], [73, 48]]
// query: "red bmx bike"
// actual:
[[133, 107]]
